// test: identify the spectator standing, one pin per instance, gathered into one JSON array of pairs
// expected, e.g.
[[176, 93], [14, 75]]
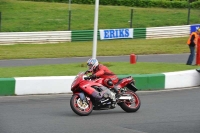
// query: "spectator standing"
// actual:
[[192, 42]]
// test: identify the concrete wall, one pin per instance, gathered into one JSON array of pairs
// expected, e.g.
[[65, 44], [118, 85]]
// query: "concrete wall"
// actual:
[[62, 84]]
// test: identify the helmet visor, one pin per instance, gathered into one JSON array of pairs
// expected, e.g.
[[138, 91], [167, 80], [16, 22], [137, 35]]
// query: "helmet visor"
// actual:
[[89, 65]]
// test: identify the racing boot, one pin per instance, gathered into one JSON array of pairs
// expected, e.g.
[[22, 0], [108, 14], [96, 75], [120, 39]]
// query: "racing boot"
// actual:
[[117, 93]]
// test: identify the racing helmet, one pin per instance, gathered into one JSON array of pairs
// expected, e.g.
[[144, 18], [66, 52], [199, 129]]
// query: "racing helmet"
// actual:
[[198, 29], [92, 63]]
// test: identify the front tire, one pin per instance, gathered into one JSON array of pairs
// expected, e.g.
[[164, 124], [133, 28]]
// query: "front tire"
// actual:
[[131, 105], [80, 107]]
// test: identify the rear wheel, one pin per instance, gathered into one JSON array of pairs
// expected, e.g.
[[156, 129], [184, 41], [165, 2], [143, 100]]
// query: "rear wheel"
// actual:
[[81, 107], [131, 105]]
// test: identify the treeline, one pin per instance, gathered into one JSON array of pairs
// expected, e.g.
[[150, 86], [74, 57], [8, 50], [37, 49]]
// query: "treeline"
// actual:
[[136, 3]]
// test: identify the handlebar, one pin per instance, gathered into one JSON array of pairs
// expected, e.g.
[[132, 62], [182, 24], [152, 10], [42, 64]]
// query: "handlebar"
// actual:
[[87, 78]]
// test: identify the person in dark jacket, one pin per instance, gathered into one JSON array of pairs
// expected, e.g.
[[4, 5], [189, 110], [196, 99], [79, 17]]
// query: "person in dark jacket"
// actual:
[[192, 42], [101, 71]]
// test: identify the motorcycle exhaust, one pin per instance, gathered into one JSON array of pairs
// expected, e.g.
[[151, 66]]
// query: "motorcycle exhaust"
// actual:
[[125, 97], [102, 101]]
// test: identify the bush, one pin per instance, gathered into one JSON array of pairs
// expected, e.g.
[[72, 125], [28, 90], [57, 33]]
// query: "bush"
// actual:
[[137, 3]]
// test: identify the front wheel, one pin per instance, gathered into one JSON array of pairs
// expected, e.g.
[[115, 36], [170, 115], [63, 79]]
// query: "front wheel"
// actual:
[[81, 107], [131, 105]]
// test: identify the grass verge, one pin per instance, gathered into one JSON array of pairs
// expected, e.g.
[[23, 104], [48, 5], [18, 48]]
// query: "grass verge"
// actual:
[[104, 48], [24, 16], [72, 69]]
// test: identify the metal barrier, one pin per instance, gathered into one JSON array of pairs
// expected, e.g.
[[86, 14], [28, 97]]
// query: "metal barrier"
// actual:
[[87, 35], [34, 37], [167, 32], [83, 35]]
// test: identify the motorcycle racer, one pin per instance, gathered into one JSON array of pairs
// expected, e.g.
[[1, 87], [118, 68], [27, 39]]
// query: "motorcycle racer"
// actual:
[[101, 71], [89, 95]]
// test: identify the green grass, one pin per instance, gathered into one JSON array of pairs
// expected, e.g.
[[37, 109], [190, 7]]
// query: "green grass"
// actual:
[[112, 47], [104, 48], [40, 16], [45, 16], [120, 68]]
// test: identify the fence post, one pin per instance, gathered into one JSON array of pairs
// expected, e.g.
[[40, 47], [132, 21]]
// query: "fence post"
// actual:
[[0, 21], [69, 19], [188, 19], [131, 19]]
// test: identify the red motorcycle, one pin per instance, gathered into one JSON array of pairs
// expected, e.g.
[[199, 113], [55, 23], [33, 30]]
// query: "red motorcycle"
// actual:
[[89, 94]]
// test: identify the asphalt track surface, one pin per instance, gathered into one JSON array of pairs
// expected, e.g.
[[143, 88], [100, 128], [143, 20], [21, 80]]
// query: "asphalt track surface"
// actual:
[[169, 58], [176, 111]]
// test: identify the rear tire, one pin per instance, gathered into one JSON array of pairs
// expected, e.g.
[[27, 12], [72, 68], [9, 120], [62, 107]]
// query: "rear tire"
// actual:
[[79, 107], [127, 105]]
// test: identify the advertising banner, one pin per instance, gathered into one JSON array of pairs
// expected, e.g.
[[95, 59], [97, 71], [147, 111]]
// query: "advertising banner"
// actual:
[[193, 28], [116, 33]]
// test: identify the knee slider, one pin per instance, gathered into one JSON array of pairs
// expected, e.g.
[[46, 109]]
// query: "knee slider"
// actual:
[[110, 83]]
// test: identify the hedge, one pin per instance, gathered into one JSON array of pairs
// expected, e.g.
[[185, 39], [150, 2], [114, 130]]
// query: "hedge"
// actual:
[[135, 3]]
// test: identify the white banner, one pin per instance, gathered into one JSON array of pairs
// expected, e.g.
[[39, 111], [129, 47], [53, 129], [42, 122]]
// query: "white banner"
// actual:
[[116, 33]]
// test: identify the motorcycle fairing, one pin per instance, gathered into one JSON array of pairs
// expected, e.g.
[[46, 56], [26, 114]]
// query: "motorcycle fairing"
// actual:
[[86, 86], [91, 89], [124, 81], [77, 80], [127, 81], [132, 87]]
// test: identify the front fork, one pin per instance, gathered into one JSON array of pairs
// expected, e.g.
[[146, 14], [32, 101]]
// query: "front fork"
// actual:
[[82, 97]]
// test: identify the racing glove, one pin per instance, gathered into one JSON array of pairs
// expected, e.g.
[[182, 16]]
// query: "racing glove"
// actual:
[[93, 76], [87, 72]]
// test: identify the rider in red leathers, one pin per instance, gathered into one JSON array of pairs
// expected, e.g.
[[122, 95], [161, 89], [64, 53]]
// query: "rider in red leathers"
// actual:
[[101, 71]]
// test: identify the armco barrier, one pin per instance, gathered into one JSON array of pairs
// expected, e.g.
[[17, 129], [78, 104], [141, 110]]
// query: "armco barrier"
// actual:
[[83, 35], [87, 35], [62, 84], [167, 32], [34, 37], [7, 38]]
